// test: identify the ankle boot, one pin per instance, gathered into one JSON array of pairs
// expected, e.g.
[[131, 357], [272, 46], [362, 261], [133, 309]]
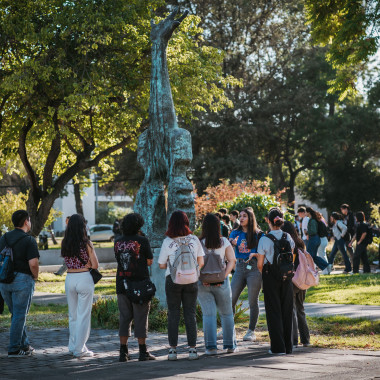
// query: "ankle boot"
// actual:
[[123, 353], [144, 354]]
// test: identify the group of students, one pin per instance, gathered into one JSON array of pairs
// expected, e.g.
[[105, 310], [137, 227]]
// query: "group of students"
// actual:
[[247, 251], [345, 231]]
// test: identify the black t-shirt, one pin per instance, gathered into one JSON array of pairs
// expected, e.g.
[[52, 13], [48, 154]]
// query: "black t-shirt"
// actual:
[[360, 230], [131, 253], [24, 248], [322, 229]]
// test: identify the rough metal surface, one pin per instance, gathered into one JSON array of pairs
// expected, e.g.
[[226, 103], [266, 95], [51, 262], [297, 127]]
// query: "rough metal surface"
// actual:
[[164, 150]]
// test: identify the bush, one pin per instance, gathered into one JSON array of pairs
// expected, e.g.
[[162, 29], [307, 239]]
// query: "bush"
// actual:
[[105, 314], [261, 203]]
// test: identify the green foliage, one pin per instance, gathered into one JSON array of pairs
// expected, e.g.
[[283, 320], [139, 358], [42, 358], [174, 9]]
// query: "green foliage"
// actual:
[[110, 213], [74, 85], [351, 30], [105, 313], [10, 202], [261, 203]]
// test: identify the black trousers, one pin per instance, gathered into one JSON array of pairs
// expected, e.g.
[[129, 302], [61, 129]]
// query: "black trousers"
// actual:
[[361, 253], [187, 296], [299, 317], [278, 300]]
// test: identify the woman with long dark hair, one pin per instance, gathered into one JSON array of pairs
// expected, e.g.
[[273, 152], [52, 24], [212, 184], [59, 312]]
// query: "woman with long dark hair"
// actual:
[[313, 239], [181, 239], [217, 296], [79, 255], [299, 317], [245, 240], [278, 293]]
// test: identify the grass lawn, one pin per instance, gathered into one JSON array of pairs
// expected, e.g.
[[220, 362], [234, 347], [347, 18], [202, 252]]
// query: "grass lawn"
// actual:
[[358, 289]]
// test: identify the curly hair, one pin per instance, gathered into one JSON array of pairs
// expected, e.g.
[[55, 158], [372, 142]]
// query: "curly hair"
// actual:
[[131, 224]]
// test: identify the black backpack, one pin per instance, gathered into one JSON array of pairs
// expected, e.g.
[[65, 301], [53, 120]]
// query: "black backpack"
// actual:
[[282, 266], [7, 274], [322, 229]]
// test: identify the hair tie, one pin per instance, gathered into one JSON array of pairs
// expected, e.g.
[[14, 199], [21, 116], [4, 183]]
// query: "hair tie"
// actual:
[[278, 218]]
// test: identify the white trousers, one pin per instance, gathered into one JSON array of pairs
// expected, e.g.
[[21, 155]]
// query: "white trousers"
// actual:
[[79, 289], [322, 248]]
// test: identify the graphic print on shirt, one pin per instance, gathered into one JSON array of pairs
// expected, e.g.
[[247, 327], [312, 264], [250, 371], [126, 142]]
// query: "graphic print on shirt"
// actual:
[[243, 246], [129, 253]]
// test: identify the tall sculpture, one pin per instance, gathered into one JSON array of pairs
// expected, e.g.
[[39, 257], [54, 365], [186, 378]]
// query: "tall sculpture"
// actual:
[[164, 151]]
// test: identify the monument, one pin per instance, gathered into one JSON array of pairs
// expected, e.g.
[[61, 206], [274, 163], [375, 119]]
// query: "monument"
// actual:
[[164, 151]]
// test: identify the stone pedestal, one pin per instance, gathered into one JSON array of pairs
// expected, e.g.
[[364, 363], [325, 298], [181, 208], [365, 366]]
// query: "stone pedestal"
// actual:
[[158, 277]]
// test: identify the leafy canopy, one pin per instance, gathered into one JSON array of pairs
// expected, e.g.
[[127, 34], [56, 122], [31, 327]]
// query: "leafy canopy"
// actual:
[[74, 85], [351, 29]]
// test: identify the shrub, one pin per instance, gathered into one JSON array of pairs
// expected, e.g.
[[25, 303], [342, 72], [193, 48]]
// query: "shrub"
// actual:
[[261, 203]]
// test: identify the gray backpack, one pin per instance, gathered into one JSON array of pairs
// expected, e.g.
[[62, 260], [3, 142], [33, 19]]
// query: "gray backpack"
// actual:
[[214, 270], [185, 269]]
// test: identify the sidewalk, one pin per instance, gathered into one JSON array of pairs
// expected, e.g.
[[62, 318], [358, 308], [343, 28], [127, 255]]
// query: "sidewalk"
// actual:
[[52, 360], [311, 309]]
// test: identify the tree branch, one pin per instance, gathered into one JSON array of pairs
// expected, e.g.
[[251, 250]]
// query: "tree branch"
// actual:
[[24, 157], [53, 155]]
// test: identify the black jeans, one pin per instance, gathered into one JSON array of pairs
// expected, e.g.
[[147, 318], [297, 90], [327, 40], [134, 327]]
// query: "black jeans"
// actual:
[[361, 253], [278, 300], [299, 317], [187, 295]]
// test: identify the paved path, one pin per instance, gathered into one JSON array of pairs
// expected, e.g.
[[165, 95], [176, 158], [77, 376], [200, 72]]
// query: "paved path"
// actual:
[[52, 360], [312, 309]]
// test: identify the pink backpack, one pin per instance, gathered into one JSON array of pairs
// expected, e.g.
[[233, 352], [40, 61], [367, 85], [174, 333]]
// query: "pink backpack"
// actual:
[[306, 275]]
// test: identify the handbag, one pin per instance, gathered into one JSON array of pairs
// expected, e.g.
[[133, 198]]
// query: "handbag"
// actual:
[[95, 274], [139, 291]]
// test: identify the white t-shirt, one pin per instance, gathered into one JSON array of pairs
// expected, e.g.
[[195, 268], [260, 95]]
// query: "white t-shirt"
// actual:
[[222, 250], [170, 246], [266, 246], [305, 222]]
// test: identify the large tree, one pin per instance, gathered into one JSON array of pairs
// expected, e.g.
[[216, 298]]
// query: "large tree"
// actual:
[[74, 86], [351, 29]]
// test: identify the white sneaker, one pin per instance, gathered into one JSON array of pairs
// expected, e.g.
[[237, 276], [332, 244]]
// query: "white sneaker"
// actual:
[[86, 354], [276, 353], [219, 335], [172, 354], [329, 268], [212, 351], [326, 271], [232, 350], [193, 355], [249, 336]]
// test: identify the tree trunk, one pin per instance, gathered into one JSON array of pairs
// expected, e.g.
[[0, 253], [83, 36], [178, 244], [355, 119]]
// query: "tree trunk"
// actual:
[[291, 190], [78, 199]]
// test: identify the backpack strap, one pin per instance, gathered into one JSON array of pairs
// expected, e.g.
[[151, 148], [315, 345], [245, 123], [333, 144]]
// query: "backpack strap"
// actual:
[[272, 237], [206, 250]]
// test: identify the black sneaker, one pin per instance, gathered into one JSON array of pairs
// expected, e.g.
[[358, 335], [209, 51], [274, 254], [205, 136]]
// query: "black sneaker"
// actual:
[[29, 349], [19, 354], [146, 356]]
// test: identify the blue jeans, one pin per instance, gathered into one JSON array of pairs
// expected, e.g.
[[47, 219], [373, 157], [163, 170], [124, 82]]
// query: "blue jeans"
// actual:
[[312, 247], [18, 296], [212, 298], [252, 279], [341, 246]]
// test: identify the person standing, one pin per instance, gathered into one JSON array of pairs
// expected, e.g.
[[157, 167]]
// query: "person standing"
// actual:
[[245, 240], [339, 230], [361, 237], [217, 297], [322, 233], [299, 317], [179, 234], [278, 293], [349, 220], [314, 241], [79, 255], [234, 217], [18, 294], [133, 256], [304, 221]]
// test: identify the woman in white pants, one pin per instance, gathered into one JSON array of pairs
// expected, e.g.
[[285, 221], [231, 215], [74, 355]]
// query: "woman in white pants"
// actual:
[[79, 255]]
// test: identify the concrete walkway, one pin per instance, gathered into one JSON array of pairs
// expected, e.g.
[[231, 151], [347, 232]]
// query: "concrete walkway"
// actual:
[[52, 361], [312, 309]]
